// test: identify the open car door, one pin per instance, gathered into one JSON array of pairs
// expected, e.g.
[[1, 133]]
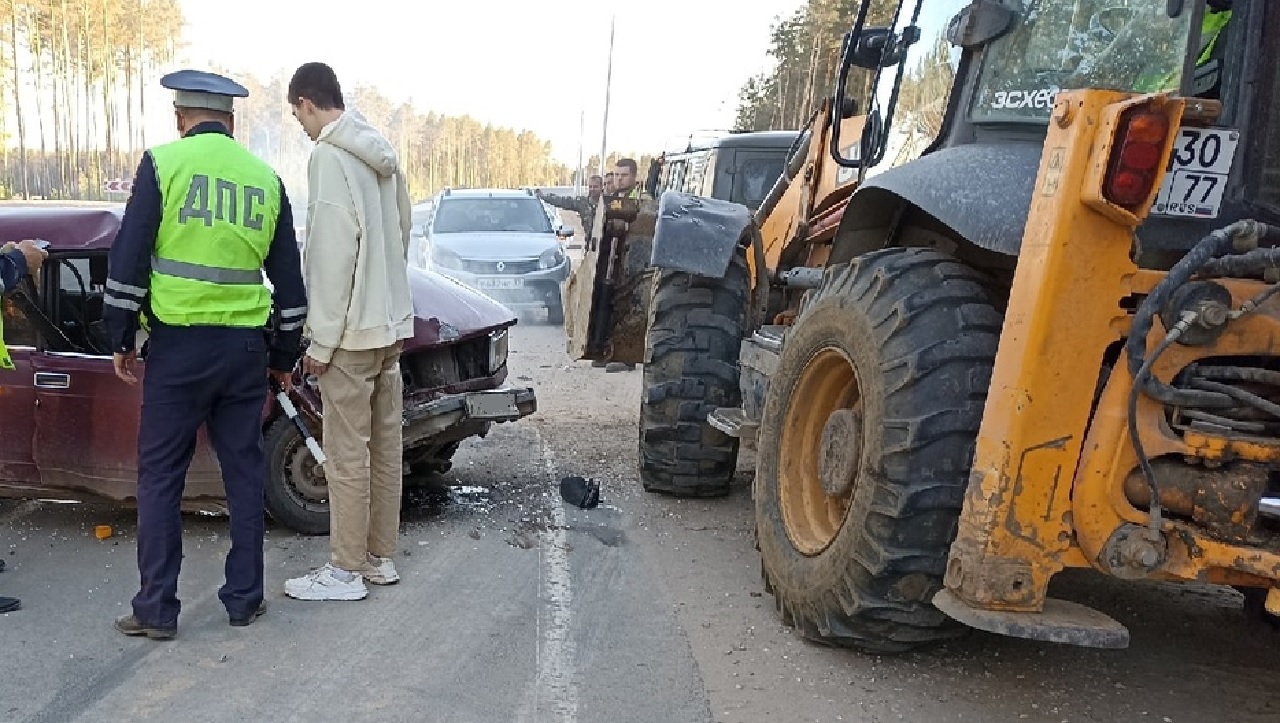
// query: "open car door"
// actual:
[[86, 419]]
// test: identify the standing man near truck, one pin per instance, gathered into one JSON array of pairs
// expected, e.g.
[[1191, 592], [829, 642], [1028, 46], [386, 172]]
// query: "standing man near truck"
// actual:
[[205, 219], [625, 176]]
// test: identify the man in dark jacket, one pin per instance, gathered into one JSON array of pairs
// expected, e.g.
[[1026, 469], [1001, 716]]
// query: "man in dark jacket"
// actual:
[[584, 206], [15, 263]]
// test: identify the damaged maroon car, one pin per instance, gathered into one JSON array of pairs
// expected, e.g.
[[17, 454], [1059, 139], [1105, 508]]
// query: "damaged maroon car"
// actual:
[[69, 427]]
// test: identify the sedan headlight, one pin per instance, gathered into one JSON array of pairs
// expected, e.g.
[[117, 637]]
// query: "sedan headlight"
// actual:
[[445, 258], [497, 350], [551, 258]]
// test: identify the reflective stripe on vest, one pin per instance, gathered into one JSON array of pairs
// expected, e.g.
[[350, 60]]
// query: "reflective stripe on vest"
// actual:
[[221, 204], [6, 361]]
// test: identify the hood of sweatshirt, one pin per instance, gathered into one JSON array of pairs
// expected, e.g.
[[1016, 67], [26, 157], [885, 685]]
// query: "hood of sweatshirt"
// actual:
[[353, 134]]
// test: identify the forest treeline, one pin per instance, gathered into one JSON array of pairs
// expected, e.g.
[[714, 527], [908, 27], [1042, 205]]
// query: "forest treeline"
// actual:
[[805, 48]]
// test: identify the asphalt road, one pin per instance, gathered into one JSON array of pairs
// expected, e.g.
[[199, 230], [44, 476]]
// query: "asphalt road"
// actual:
[[513, 607]]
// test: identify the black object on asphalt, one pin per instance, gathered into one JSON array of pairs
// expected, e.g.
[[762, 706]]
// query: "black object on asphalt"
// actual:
[[9, 604], [580, 491]]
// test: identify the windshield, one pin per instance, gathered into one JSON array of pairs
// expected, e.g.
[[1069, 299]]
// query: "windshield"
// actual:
[[1125, 45], [489, 215], [754, 178]]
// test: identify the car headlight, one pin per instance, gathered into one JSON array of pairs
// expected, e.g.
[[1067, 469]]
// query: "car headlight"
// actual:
[[551, 258], [497, 350], [445, 258]]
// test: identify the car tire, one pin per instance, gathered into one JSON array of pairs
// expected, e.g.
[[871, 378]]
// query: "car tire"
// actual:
[[555, 310], [286, 505]]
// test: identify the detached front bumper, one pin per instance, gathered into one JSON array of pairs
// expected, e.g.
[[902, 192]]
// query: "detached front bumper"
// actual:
[[458, 416]]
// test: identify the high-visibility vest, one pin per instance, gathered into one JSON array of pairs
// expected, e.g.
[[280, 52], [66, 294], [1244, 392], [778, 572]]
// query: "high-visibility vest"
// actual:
[[6, 361], [220, 207], [1211, 28]]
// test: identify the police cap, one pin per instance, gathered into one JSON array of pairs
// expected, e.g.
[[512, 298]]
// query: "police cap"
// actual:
[[200, 89]]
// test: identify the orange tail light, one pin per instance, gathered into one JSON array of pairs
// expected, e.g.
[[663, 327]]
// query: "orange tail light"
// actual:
[[1133, 169]]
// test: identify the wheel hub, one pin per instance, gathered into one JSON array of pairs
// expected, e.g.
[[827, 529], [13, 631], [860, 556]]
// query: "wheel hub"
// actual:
[[822, 442], [307, 477], [840, 452]]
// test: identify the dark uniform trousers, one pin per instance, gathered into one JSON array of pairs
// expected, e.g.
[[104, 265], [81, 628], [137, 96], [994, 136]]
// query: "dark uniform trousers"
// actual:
[[200, 375]]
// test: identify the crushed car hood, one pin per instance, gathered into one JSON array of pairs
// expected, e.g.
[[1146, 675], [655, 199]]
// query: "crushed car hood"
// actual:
[[496, 246], [446, 311]]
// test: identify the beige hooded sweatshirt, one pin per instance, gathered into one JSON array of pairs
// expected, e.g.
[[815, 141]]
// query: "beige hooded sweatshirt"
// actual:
[[357, 244]]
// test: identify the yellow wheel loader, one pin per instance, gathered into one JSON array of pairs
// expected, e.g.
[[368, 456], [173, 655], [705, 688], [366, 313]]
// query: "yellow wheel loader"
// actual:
[[1017, 313]]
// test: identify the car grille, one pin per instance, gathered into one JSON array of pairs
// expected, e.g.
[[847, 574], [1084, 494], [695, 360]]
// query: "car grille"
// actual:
[[508, 267], [445, 366]]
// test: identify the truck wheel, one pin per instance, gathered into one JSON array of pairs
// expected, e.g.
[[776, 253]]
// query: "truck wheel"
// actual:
[[866, 442], [296, 493], [696, 326]]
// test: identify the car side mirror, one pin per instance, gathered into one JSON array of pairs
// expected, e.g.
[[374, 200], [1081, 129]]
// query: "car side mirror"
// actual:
[[565, 231]]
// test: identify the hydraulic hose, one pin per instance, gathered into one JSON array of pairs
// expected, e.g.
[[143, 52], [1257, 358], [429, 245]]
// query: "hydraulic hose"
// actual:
[[1241, 236]]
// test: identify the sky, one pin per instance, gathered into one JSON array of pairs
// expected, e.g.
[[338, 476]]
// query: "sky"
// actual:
[[678, 64]]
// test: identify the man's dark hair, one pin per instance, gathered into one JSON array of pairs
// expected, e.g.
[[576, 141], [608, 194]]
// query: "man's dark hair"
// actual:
[[596, 177], [317, 83], [628, 163]]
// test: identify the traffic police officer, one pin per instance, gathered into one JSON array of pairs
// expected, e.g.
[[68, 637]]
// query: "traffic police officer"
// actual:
[[206, 217]]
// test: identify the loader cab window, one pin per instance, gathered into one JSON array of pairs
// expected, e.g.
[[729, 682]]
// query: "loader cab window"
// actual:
[[1125, 45], [911, 99]]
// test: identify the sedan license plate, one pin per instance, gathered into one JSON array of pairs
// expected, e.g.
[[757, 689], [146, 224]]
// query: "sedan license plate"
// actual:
[[499, 282], [492, 405]]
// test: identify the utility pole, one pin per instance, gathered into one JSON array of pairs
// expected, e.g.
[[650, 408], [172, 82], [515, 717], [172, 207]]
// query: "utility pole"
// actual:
[[604, 133], [579, 178]]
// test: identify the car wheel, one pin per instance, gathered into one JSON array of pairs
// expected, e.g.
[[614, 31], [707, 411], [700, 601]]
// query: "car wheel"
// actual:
[[555, 309], [297, 495]]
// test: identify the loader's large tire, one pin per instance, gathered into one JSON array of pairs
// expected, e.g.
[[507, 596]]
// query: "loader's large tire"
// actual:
[[696, 327], [888, 364]]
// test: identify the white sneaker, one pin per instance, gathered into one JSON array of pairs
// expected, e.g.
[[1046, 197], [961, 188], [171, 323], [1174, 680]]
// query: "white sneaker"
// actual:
[[323, 584], [380, 571]]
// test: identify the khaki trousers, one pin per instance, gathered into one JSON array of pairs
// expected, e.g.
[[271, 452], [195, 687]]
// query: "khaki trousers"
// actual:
[[361, 392]]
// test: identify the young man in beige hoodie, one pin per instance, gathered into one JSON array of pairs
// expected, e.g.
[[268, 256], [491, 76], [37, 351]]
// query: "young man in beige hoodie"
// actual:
[[356, 270]]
